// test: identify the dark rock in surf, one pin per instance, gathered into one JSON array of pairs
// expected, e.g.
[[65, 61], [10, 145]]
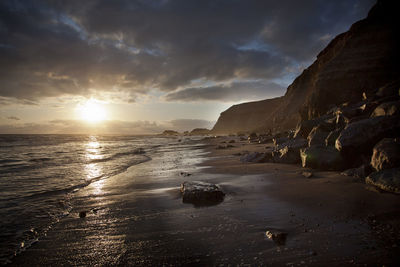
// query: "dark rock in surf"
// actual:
[[201, 193]]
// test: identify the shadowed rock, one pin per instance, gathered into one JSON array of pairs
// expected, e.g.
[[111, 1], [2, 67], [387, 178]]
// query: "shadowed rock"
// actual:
[[359, 172], [387, 109], [388, 180], [330, 140], [386, 154], [321, 157], [277, 236], [201, 193], [317, 136], [359, 137]]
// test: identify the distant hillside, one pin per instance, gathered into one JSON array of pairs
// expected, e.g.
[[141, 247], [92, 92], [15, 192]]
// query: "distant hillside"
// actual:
[[359, 60]]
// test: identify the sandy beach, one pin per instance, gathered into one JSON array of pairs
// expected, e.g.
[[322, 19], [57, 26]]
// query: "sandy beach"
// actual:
[[138, 218]]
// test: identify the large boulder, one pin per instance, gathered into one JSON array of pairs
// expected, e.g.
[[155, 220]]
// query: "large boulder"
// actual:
[[386, 154], [360, 136], [321, 157], [388, 180], [289, 152], [201, 193], [287, 155], [387, 109], [304, 128], [332, 136], [390, 89], [279, 141], [317, 136]]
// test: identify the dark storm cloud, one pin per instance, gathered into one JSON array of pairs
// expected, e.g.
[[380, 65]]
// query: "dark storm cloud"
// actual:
[[238, 91], [52, 48]]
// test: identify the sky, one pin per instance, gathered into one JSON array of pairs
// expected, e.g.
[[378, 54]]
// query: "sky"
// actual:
[[143, 66]]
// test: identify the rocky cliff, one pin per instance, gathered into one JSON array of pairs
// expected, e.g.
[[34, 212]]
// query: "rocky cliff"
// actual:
[[358, 61]]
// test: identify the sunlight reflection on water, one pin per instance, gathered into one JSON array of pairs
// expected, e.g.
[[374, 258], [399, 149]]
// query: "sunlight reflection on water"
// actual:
[[93, 170]]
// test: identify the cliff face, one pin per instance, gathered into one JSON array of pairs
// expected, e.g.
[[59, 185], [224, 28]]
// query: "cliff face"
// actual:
[[246, 116], [359, 60]]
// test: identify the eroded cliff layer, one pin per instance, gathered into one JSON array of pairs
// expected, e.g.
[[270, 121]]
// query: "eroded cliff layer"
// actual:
[[360, 60]]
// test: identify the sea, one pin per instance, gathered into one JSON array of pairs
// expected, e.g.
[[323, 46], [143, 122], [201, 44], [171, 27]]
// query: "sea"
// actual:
[[40, 174]]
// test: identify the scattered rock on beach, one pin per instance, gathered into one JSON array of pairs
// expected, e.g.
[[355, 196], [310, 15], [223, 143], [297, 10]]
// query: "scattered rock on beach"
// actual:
[[387, 180], [307, 174], [201, 193], [277, 236]]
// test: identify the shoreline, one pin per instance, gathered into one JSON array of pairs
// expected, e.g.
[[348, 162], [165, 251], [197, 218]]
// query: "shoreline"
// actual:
[[138, 218]]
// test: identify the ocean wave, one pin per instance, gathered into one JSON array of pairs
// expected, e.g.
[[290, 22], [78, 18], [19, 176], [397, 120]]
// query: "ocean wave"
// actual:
[[137, 151]]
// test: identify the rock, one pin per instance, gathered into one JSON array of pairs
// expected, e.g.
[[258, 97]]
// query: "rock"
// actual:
[[201, 193], [359, 172], [359, 137], [389, 89], [185, 174], [200, 131], [287, 155], [387, 180], [289, 152], [304, 128], [387, 109], [280, 140], [321, 157], [170, 132], [255, 157], [292, 143], [82, 214], [317, 136], [386, 154], [330, 140], [232, 141], [307, 174], [278, 237]]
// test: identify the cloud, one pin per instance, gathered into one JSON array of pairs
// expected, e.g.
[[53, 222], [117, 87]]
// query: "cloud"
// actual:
[[13, 118], [54, 48], [107, 127], [237, 91]]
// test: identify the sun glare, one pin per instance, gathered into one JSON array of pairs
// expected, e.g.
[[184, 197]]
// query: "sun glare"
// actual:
[[92, 111]]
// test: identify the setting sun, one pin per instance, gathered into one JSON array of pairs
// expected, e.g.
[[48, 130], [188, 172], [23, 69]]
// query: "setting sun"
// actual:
[[92, 111]]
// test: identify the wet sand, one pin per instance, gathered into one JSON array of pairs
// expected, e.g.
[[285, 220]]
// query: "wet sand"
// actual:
[[138, 218]]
